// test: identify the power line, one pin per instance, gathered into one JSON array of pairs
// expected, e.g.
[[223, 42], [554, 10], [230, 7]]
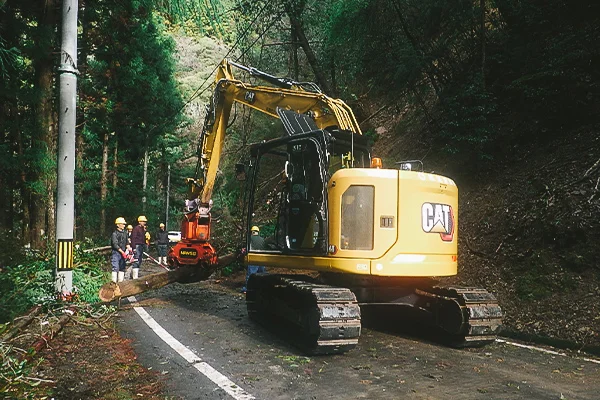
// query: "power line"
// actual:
[[244, 34], [260, 36], [198, 92]]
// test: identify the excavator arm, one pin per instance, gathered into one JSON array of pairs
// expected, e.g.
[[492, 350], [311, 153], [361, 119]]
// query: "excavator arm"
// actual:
[[302, 98], [325, 111]]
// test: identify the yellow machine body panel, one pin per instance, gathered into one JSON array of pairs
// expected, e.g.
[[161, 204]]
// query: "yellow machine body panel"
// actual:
[[427, 228], [358, 197], [385, 222], [313, 263]]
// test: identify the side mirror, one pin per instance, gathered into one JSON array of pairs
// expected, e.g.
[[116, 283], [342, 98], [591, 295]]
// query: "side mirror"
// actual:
[[240, 172]]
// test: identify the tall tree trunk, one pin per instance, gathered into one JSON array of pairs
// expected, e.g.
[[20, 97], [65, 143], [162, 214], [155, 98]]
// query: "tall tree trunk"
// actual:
[[51, 179], [332, 71], [295, 66], [24, 191], [104, 184], [25, 202], [10, 120], [429, 68], [15, 113], [482, 36], [6, 186], [294, 14], [161, 175], [145, 180], [44, 137], [80, 124], [115, 177], [5, 190], [79, 153]]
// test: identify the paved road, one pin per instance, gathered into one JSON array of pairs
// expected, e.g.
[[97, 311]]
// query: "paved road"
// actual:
[[211, 321]]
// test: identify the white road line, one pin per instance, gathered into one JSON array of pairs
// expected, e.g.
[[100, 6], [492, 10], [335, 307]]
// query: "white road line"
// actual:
[[556, 353], [218, 378]]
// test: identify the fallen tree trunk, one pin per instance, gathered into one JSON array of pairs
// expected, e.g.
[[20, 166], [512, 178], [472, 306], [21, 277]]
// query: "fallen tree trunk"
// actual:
[[112, 290], [53, 331], [103, 249], [23, 322]]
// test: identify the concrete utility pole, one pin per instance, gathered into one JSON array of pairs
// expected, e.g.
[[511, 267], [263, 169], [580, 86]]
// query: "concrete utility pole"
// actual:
[[65, 204]]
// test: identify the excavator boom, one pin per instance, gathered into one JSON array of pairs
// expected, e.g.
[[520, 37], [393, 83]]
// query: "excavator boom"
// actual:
[[325, 112]]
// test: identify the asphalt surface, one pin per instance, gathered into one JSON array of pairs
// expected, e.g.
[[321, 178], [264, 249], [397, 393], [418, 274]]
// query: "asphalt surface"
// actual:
[[211, 321]]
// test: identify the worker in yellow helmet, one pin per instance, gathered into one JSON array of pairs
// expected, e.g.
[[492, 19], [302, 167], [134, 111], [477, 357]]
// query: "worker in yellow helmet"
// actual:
[[256, 243], [118, 244], [162, 244], [138, 243]]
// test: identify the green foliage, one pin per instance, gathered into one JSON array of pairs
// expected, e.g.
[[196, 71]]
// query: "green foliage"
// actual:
[[23, 286], [469, 121], [372, 135], [195, 16], [536, 69], [89, 275], [132, 94], [16, 380], [32, 282], [8, 58]]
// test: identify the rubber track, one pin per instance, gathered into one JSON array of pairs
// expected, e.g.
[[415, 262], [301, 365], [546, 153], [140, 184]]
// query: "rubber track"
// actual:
[[476, 318], [320, 319]]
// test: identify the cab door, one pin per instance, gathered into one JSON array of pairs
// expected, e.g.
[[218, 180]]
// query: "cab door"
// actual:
[[288, 200]]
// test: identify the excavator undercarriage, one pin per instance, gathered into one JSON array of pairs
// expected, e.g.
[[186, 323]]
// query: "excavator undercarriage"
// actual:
[[326, 318], [319, 319]]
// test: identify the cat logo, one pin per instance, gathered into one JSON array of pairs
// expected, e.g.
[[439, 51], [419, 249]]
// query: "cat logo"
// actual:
[[188, 253], [438, 218]]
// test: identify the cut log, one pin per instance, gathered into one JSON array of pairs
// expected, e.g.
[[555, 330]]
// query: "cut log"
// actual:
[[112, 290]]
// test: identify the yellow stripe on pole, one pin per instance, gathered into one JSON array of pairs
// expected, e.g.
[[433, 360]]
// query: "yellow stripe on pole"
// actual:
[[64, 255]]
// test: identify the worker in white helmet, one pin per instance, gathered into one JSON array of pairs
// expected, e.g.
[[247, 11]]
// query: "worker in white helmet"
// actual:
[[118, 243]]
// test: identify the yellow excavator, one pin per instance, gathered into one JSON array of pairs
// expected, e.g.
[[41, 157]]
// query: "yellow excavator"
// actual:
[[377, 236]]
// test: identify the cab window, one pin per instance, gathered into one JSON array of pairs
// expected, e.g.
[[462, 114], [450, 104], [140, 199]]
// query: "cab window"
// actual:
[[357, 218]]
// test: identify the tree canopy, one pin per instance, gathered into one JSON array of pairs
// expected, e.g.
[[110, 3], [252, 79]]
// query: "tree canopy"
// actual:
[[468, 75]]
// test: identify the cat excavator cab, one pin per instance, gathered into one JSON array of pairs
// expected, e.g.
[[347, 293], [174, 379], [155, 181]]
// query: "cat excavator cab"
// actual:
[[377, 237]]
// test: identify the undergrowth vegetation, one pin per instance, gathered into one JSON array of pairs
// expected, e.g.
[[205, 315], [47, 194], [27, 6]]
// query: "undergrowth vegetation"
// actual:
[[27, 283], [31, 281]]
